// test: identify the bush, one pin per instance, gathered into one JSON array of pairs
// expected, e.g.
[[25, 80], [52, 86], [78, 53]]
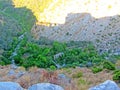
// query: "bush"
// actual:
[[2, 63], [4, 60], [58, 47], [52, 67], [96, 69], [108, 65], [116, 75]]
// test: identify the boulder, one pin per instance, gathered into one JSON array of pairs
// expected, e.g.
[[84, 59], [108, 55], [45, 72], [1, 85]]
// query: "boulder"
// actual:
[[107, 85], [45, 86], [10, 86]]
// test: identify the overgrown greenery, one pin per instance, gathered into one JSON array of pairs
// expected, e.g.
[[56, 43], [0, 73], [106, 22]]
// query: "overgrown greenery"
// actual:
[[109, 65], [33, 54], [96, 69], [116, 75], [105, 64]]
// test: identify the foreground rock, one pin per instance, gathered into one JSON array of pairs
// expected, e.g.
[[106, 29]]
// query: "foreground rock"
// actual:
[[107, 85], [10, 86], [45, 86]]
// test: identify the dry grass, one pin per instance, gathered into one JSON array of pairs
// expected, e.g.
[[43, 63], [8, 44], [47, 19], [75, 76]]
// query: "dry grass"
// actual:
[[88, 79], [36, 75]]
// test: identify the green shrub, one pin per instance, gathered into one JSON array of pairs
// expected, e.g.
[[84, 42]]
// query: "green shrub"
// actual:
[[58, 47], [4, 60], [108, 65], [116, 71], [52, 67], [75, 64], [96, 69], [1, 62], [116, 75]]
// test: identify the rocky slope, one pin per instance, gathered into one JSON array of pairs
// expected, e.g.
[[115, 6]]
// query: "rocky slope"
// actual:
[[82, 20], [69, 78]]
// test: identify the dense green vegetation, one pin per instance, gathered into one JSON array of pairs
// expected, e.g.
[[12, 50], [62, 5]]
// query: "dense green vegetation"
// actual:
[[96, 69], [116, 75], [42, 56], [33, 54], [108, 65]]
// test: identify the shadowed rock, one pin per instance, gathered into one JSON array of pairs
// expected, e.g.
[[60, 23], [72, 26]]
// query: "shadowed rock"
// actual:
[[10, 86], [45, 86]]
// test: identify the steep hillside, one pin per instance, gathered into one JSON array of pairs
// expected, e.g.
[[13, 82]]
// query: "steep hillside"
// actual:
[[82, 20], [13, 23]]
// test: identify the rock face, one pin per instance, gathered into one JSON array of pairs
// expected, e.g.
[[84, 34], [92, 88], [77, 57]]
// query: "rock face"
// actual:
[[107, 85], [45, 86], [10, 86], [82, 20]]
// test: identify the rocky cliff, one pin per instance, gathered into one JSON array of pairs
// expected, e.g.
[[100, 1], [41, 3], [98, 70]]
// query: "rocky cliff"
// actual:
[[82, 20]]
